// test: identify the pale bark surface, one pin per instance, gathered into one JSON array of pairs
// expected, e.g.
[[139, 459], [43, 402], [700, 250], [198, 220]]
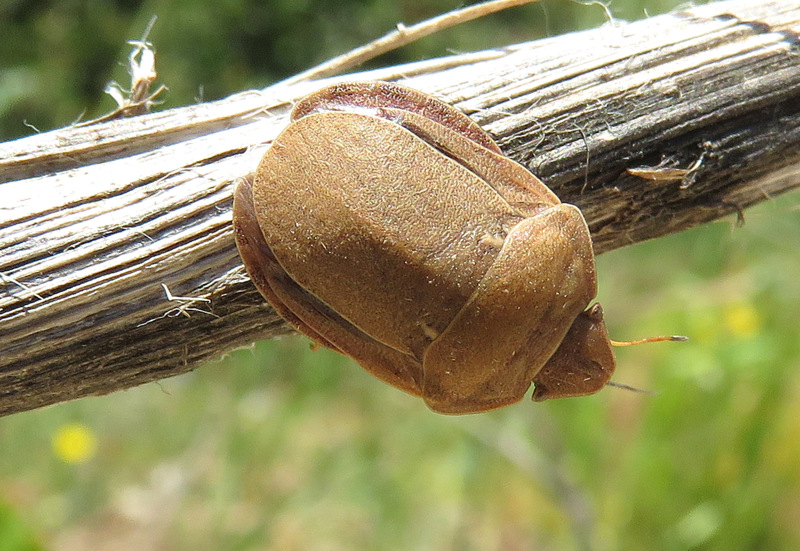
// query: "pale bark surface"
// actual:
[[95, 219]]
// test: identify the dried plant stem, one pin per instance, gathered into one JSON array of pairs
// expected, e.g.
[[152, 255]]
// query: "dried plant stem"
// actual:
[[97, 221], [402, 36]]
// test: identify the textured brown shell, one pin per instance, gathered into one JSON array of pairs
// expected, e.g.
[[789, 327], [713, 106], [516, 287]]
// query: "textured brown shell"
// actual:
[[388, 226]]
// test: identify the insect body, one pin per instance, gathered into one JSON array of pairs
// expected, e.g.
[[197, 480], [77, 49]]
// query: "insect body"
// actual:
[[388, 226]]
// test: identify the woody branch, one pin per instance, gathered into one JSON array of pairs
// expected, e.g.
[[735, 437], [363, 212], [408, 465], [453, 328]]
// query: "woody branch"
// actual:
[[119, 266]]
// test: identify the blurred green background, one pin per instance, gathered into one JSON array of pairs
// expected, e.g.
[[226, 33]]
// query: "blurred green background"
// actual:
[[285, 447]]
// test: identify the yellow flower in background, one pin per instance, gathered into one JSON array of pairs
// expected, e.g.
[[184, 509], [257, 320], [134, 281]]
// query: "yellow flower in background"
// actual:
[[74, 443], [742, 319]]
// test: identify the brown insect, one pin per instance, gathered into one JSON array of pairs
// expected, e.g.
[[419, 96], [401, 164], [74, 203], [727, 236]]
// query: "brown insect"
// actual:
[[388, 226]]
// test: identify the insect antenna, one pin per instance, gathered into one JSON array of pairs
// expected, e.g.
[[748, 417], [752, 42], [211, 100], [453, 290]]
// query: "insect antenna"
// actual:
[[677, 338], [632, 388]]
